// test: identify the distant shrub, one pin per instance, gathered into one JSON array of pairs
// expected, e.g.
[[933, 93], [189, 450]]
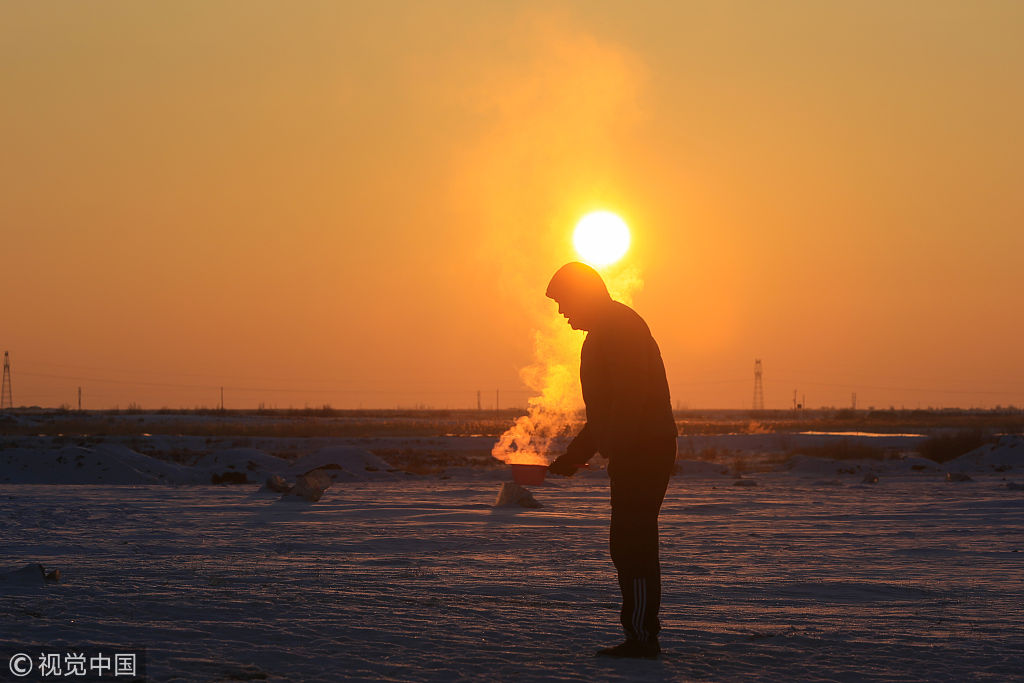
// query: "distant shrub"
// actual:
[[755, 427], [946, 447], [229, 478]]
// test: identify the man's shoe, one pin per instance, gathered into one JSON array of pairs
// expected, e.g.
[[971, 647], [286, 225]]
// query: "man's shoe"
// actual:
[[633, 649]]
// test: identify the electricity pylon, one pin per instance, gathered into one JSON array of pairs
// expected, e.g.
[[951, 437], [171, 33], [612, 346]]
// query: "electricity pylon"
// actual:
[[5, 392], [758, 386]]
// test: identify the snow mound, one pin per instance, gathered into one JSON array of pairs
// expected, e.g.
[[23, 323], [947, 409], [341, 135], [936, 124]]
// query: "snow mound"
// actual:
[[309, 487], [239, 465], [345, 463], [117, 465], [1005, 456], [28, 575], [114, 465], [160, 470], [701, 468], [806, 465], [911, 464], [512, 494]]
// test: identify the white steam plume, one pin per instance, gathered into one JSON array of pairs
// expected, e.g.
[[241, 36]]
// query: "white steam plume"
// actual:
[[554, 415]]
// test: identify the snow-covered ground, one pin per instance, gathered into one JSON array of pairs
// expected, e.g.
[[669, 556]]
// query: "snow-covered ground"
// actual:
[[808, 571], [419, 578]]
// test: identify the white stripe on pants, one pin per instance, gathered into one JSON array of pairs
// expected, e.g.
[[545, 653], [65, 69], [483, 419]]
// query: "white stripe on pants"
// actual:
[[639, 607]]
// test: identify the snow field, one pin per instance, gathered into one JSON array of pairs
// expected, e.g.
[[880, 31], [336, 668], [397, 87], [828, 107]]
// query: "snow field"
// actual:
[[422, 580]]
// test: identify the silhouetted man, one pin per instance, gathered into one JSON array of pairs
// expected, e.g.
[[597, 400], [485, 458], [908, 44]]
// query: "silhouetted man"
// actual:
[[630, 422]]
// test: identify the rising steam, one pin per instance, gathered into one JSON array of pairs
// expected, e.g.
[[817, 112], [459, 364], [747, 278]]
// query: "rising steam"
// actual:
[[554, 415], [555, 116]]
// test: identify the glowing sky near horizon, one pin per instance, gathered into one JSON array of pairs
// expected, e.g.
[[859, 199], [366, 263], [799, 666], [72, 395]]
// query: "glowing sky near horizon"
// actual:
[[360, 204]]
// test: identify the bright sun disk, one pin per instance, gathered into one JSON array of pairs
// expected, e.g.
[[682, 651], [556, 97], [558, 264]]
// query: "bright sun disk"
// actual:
[[601, 238]]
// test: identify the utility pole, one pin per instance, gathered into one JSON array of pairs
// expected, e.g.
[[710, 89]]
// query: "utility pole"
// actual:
[[478, 407], [853, 401], [79, 399], [5, 391]]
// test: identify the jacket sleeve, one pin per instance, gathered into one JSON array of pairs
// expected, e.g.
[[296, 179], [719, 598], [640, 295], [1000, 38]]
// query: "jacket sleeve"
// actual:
[[581, 448]]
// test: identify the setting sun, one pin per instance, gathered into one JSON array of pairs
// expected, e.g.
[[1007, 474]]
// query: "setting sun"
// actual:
[[601, 238]]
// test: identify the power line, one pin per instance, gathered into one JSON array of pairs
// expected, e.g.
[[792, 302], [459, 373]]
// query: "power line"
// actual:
[[257, 389], [172, 373], [921, 390]]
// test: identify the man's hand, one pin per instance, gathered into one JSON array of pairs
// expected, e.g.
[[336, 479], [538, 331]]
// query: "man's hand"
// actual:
[[562, 466]]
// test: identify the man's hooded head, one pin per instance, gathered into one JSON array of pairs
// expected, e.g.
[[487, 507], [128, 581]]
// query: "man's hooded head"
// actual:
[[581, 294]]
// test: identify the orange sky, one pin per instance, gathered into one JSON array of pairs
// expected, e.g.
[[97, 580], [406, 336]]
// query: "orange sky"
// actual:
[[360, 203]]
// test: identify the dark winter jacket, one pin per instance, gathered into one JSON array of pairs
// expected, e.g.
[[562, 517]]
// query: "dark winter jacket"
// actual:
[[625, 390]]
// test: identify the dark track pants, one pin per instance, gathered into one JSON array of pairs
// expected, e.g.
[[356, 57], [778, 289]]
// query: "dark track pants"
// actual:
[[637, 493]]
